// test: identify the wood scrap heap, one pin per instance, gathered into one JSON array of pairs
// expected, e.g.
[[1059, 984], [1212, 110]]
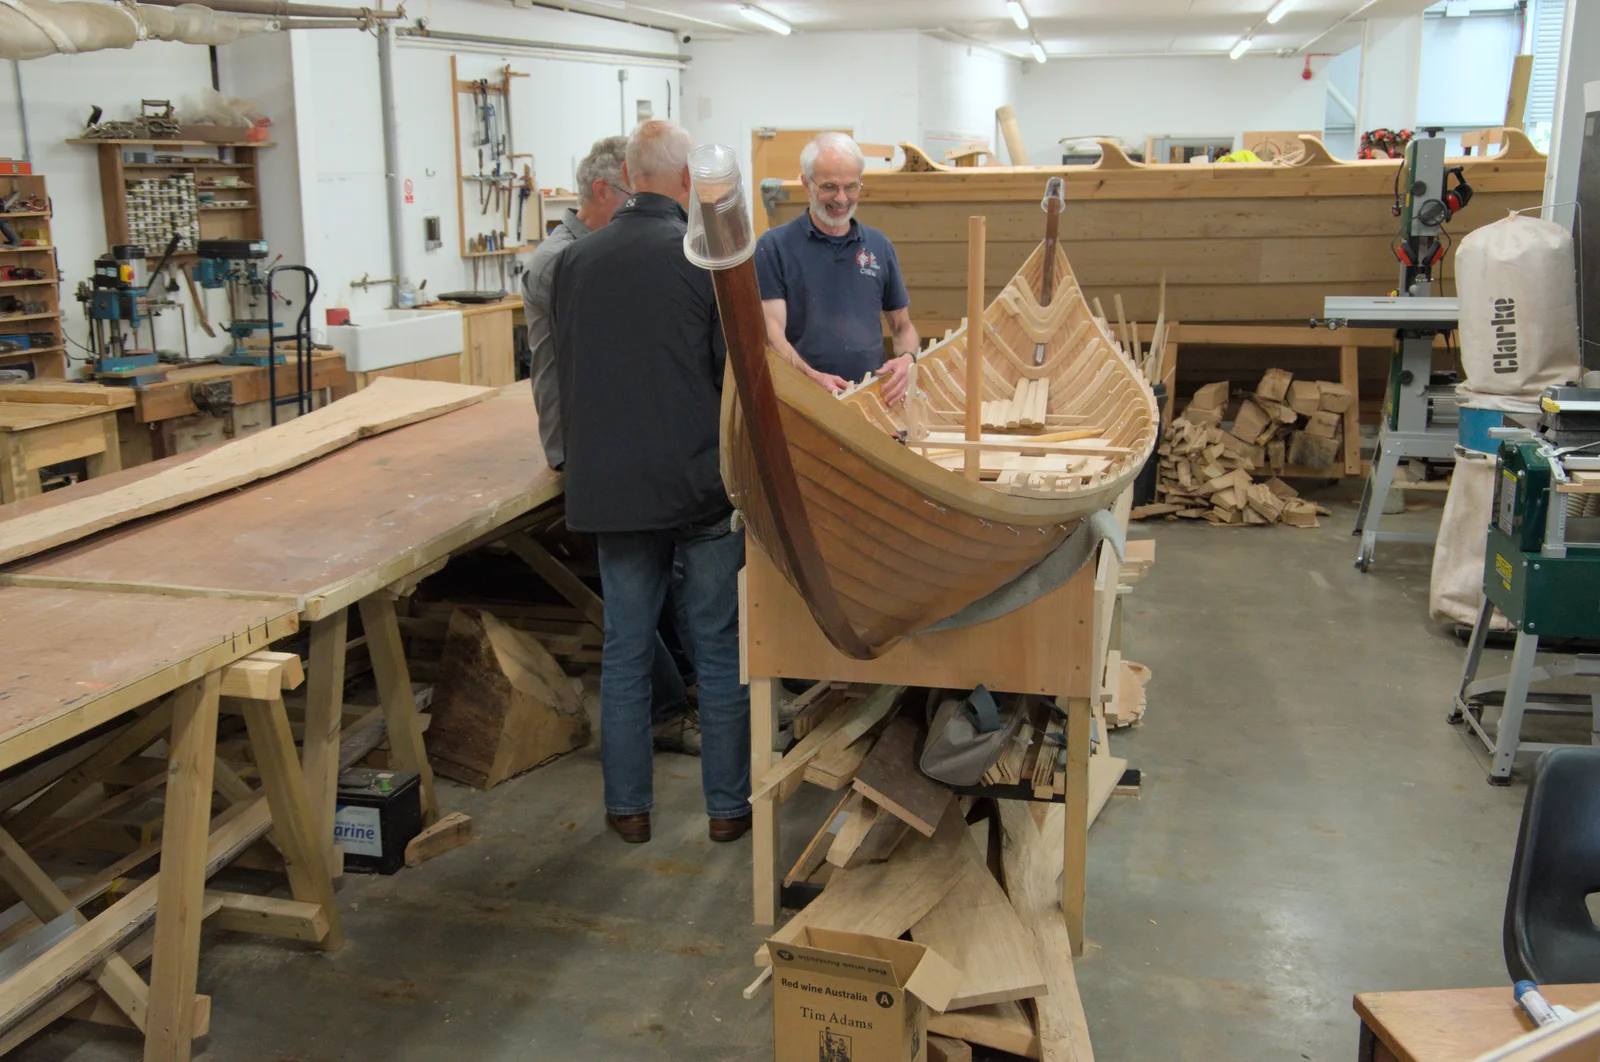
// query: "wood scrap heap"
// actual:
[[898, 855], [1208, 469]]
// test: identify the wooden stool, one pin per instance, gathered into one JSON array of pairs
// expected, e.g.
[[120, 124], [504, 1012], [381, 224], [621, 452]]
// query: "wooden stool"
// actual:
[[36, 434], [1046, 647]]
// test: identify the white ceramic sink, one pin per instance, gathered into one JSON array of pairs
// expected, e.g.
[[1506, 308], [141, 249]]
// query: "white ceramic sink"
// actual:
[[377, 339]]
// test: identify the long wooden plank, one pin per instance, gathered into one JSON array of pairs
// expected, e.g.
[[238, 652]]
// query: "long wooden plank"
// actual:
[[46, 900], [385, 405], [976, 928], [889, 777], [1032, 856], [886, 899], [75, 955], [1003, 1026]]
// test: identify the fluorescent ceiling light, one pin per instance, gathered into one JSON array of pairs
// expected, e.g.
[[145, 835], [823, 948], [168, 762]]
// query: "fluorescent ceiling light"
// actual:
[[1038, 52], [1240, 48], [764, 19], [1018, 15], [1279, 9]]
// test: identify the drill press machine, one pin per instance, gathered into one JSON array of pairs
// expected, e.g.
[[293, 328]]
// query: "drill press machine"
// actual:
[[1420, 419], [236, 266], [1542, 570], [117, 300]]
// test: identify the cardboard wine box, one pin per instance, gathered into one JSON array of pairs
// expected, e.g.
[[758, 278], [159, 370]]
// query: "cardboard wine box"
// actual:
[[845, 997]]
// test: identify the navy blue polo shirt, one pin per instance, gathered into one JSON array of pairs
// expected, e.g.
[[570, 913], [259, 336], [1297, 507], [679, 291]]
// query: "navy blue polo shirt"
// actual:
[[835, 288]]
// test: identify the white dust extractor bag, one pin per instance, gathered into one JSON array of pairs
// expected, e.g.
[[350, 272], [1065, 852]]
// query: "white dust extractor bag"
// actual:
[[1516, 286], [1455, 590]]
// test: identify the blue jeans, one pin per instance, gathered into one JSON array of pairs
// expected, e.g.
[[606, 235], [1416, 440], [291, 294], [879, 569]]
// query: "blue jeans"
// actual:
[[635, 569]]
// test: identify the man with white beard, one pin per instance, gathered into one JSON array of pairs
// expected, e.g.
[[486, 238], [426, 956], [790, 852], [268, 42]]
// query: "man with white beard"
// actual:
[[826, 277]]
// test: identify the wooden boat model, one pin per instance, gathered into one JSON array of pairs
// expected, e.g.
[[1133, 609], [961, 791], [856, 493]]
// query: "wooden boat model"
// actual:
[[863, 507], [1238, 242]]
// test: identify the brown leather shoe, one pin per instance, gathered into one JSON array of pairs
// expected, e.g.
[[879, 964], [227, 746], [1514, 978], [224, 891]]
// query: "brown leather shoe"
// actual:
[[635, 829], [725, 830]]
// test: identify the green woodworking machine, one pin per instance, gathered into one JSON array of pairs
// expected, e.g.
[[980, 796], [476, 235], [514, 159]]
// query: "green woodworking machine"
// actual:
[[1541, 569]]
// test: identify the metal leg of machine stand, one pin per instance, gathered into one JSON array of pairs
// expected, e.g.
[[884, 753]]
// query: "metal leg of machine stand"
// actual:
[[1373, 498], [1508, 734], [1469, 670]]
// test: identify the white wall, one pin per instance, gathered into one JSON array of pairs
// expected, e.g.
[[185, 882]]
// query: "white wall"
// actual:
[[959, 86], [1132, 99], [865, 82], [59, 92], [1390, 71], [557, 113], [1342, 75]]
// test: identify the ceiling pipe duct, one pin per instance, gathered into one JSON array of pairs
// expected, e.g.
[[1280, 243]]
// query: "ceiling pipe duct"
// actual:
[[414, 33], [33, 29], [321, 23], [275, 9]]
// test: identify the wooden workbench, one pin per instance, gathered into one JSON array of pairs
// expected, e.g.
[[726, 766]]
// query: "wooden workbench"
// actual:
[[74, 660], [36, 434], [323, 537], [1450, 1025], [161, 419]]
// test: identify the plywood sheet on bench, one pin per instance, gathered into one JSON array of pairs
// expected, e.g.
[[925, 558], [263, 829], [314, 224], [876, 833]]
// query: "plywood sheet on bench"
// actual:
[[326, 530], [71, 659], [377, 409]]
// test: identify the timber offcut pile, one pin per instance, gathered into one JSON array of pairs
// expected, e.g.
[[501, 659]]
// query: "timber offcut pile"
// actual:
[[1209, 469], [897, 855]]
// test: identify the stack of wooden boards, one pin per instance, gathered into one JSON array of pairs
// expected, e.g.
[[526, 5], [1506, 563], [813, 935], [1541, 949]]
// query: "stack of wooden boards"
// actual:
[[1206, 468], [897, 855]]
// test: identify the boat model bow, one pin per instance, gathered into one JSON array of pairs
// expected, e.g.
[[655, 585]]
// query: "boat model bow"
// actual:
[[865, 508]]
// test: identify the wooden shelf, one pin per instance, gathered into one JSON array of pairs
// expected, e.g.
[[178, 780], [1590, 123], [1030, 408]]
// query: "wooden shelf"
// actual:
[[524, 249], [187, 165], [9, 319], [27, 214], [97, 141], [240, 206], [8, 249], [51, 281], [30, 351]]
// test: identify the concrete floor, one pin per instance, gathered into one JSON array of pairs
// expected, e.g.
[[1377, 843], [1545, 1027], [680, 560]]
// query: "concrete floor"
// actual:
[[1310, 827]]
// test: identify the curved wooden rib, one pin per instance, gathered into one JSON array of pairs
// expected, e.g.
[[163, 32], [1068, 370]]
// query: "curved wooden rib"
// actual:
[[1515, 145], [789, 534], [880, 541], [917, 161], [1314, 153], [1112, 157]]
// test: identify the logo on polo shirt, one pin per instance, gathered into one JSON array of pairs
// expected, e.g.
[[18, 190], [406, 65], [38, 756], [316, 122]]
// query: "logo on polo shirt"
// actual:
[[867, 261]]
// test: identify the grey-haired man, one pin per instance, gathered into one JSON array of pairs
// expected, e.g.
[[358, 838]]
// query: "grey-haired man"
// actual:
[[600, 191]]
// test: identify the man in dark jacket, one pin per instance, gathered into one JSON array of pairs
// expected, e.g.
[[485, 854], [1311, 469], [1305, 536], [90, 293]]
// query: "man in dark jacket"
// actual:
[[639, 361]]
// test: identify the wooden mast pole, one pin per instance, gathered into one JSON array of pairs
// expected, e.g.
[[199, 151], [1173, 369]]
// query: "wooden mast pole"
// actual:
[[1052, 235], [975, 255]]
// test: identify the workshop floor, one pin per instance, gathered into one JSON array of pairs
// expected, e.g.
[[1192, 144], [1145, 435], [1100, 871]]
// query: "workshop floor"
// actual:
[[1310, 826]]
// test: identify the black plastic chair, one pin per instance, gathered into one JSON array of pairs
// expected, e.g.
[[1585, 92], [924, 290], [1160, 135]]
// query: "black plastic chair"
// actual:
[[1550, 937]]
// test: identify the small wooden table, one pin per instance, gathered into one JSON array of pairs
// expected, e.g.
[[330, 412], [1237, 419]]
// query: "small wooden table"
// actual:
[[325, 536], [1450, 1025], [36, 434], [74, 660]]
